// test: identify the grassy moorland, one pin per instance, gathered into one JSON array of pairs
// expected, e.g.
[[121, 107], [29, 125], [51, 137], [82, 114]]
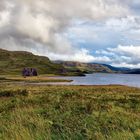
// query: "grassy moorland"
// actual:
[[69, 112], [37, 79]]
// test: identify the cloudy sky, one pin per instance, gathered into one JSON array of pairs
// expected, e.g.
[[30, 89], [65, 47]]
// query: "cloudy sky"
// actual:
[[103, 31]]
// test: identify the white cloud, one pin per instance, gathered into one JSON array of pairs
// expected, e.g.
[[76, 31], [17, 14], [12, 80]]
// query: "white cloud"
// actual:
[[39, 26], [130, 51], [41, 20], [124, 56], [4, 18], [123, 64], [124, 23], [82, 55]]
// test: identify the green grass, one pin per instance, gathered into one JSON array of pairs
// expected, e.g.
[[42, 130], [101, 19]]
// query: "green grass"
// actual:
[[37, 79], [69, 112], [13, 62]]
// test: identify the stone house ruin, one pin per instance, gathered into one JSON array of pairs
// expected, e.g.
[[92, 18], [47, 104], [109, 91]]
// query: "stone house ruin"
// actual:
[[29, 72]]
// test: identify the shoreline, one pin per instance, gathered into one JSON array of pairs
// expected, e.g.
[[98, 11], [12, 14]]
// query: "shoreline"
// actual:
[[67, 81]]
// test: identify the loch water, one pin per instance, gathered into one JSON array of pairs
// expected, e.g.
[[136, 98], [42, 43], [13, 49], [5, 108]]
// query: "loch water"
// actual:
[[105, 79]]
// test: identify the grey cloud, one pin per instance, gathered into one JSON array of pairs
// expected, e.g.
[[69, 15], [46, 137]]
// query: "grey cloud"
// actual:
[[38, 25], [43, 19]]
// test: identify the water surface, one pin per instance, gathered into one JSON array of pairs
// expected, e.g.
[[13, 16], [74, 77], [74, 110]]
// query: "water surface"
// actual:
[[105, 79]]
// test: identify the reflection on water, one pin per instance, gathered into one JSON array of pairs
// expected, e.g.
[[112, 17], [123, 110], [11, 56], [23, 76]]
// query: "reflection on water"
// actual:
[[105, 79]]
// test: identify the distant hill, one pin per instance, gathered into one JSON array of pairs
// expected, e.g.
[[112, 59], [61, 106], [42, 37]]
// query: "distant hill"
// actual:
[[95, 67], [117, 69], [12, 62], [85, 67], [134, 71]]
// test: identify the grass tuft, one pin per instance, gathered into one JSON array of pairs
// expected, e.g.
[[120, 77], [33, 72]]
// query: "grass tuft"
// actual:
[[69, 112]]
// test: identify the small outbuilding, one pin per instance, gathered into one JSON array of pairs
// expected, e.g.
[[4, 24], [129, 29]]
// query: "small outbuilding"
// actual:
[[29, 72]]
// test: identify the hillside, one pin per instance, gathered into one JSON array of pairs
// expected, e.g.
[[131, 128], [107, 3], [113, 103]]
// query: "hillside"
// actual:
[[85, 67], [12, 62], [133, 71], [117, 69]]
